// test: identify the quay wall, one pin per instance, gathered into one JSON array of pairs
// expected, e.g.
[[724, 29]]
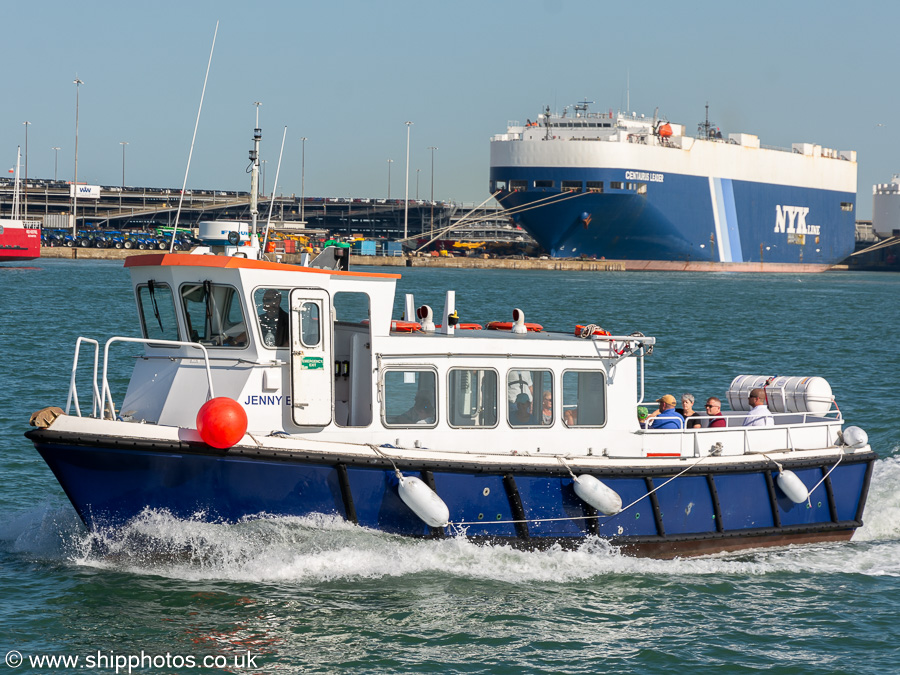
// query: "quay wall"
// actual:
[[570, 265]]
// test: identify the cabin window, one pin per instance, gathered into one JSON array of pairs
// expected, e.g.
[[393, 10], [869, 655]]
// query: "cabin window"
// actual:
[[410, 398], [523, 387], [310, 324], [615, 185], [543, 183], [213, 314], [594, 185], [351, 307], [847, 206], [571, 186], [157, 309], [515, 185], [584, 398], [472, 398], [498, 185], [272, 311]]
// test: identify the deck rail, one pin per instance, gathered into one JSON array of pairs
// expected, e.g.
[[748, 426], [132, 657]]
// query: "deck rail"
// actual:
[[102, 401]]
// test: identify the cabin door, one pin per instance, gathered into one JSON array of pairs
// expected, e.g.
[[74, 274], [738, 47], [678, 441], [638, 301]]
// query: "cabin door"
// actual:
[[311, 358]]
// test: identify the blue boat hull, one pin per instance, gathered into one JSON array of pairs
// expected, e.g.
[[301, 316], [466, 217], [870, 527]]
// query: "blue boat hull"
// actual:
[[684, 218], [710, 509]]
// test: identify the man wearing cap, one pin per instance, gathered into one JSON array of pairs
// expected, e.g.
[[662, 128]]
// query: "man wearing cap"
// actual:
[[522, 415], [666, 417]]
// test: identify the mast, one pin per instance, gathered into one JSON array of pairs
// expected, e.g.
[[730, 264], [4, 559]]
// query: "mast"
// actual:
[[254, 173]]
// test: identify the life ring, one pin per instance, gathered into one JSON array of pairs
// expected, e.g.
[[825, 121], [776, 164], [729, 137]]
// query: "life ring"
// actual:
[[597, 331], [466, 326], [405, 326], [507, 325]]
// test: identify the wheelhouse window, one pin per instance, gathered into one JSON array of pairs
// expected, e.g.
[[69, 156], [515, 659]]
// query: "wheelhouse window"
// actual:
[[472, 398], [525, 392], [157, 309], [584, 398], [272, 312], [410, 398], [214, 315]]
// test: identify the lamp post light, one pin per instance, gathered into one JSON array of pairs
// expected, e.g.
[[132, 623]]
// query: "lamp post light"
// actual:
[[390, 161], [406, 199], [302, 176], [432, 148], [27, 124], [123, 144], [55, 162], [78, 84]]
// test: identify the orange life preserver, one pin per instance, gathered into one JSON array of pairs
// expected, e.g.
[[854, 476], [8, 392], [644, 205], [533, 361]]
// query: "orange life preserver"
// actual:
[[405, 326], [466, 326], [507, 325], [597, 331]]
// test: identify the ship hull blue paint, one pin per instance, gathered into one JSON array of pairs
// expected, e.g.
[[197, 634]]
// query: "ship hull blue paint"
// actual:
[[683, 218], [110, 486]]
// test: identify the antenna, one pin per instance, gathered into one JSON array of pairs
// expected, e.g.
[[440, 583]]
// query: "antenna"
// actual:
[[194, 138], [274, 188]]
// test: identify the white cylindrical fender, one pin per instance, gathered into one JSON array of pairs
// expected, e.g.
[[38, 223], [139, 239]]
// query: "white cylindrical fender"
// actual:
[[855, 438], [602, 497], [423, 501], [793, 487]]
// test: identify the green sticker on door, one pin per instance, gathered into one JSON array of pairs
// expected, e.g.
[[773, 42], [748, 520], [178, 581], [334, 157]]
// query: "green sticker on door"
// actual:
[[312, 363]]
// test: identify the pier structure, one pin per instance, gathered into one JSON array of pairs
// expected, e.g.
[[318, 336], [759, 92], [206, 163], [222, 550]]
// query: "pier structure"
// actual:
[[118, 208]]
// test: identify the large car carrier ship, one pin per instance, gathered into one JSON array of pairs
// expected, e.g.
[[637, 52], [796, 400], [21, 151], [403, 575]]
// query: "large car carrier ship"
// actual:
[[628, 187]]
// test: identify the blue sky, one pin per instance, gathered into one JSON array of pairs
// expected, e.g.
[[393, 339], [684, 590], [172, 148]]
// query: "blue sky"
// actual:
[[347, 74]]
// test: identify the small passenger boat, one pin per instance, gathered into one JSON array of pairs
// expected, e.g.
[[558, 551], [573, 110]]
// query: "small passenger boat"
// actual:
[[267, 389]]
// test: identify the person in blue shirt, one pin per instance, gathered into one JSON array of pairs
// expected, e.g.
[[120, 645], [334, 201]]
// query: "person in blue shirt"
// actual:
[[666, 417]]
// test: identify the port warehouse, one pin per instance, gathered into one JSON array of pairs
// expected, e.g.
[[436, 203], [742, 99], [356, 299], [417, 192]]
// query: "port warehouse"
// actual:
[[144, 208]]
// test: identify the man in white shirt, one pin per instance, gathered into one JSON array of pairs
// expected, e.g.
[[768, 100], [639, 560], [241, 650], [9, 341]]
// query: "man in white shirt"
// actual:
[[759, 415]]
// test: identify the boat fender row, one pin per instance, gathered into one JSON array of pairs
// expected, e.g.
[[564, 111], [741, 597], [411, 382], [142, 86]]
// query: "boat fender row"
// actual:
[[423, 501], [599, 495], [792, 486]]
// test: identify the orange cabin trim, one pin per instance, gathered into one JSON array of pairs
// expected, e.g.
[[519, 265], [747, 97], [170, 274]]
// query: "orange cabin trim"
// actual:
[[229, 262]]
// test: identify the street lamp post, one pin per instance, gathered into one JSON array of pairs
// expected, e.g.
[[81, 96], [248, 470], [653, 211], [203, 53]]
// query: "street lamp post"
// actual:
[[55, 162], [302, 176], [417, 184], [390, 161], [406, 199], [78, 84], [123, 144], [432, 148], [27, 124]]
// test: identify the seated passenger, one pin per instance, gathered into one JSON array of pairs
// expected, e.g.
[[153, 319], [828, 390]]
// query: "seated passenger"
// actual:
[[714, 409], [570, 416], [759, 415], [547, 408], [421, 412], [642, 416], [687, 411], [522, 414], [666, 417]]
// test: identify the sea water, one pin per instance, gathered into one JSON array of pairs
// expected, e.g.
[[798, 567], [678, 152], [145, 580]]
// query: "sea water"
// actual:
[[317, 595]]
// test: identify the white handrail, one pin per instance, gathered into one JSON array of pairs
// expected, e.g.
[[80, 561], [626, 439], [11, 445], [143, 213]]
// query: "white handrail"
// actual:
[[107, 395], [73, 390]]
